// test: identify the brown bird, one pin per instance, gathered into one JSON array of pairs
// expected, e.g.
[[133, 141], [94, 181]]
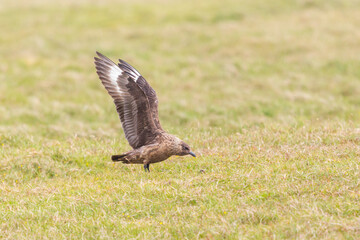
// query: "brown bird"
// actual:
[[137, 106]]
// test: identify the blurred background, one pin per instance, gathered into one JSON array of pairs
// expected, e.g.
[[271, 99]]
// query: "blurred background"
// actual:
[[266, 93], [214, 64]]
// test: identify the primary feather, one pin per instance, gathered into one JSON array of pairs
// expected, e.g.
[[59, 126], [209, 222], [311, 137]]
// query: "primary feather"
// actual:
[[135, 100]]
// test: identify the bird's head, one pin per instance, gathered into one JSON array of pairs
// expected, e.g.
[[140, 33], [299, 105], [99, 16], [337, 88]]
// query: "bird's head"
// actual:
[[184, 149]]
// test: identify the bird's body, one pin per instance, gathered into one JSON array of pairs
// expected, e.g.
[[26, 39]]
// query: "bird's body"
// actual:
[[163, 147], [137, 106]]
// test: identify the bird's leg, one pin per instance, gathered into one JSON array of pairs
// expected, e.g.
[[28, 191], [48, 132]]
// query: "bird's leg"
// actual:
[[147, 167]]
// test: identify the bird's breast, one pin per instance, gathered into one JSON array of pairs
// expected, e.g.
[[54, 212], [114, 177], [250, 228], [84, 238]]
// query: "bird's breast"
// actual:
[[156, 153]]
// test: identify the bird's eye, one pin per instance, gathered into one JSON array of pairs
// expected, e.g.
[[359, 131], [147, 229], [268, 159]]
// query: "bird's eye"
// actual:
[[186, 148]]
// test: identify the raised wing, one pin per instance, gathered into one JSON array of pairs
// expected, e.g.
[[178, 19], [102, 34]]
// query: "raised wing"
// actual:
[[146, 88], [129, 91]]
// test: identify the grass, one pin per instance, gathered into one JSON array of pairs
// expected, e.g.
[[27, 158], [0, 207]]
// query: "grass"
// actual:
[[265, 92]]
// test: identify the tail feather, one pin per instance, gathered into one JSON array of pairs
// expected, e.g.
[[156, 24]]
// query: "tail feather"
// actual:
[[119, 158], [132, 157]]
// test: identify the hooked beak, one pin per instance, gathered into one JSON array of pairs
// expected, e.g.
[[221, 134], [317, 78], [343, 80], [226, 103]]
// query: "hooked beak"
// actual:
[[192, 154]]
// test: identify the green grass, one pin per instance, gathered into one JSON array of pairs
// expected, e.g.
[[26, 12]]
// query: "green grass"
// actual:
[[265, 92]]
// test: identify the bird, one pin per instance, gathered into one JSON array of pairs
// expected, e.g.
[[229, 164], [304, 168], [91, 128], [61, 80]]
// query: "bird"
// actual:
[[137, 106]]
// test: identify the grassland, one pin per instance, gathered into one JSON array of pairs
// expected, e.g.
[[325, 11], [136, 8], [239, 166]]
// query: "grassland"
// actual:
[[265, 92]]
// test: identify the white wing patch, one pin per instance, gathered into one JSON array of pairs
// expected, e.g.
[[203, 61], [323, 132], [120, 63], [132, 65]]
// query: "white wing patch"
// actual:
[[134, 74], [114, 74], [137, 75], [130, 70]]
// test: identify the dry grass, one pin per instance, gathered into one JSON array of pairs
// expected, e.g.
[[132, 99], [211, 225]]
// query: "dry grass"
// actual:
[[266, 93]]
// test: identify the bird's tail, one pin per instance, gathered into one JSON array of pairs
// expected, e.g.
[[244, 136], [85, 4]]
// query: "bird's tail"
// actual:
[[131, 157], [119, 158]]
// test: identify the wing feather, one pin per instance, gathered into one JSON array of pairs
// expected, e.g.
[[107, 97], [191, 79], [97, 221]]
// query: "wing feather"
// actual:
[[146, 88], [132, 103]]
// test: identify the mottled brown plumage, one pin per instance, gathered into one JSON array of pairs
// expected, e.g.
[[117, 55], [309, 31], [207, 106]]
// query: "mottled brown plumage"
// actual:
[[137, 106]]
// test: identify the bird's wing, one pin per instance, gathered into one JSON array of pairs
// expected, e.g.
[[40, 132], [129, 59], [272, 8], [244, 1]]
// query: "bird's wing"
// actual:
[[146, 88], [131, 100]]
